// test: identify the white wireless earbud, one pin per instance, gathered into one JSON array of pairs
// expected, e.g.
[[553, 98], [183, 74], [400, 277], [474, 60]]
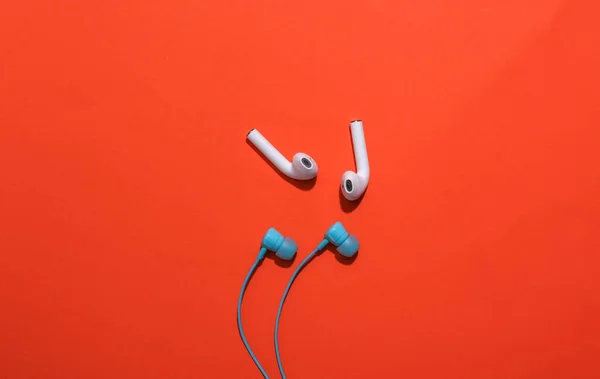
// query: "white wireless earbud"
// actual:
[[354, 184], [302, 166]]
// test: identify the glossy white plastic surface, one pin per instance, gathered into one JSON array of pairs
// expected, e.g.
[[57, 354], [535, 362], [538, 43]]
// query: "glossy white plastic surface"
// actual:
[[354, 184], [302, 167]]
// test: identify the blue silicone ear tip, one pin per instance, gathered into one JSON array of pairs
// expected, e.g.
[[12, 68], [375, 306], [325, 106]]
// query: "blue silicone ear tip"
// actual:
[[349, 247], [287, 250]]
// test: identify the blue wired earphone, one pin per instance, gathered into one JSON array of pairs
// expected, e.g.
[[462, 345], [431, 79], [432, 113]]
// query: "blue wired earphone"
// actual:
[[284, 248], [347, 245]]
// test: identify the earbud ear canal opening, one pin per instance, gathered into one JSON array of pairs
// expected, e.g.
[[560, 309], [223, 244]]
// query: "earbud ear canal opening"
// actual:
[[287, 250], [349, 247], [348, 185]]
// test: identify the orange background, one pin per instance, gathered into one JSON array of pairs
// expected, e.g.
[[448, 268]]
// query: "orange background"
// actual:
[[131, 207]]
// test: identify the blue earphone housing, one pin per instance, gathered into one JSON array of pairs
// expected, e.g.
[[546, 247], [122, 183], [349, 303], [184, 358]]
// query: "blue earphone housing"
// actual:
[[347, 245]]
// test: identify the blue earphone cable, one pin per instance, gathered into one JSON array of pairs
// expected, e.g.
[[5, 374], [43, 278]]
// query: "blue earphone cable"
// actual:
[[239, 313], [285, 293]]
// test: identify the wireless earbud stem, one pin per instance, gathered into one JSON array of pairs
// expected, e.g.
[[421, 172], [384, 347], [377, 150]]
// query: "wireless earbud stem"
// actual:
[[360, 150], [302, 167], [269, 151], [354, 184]]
